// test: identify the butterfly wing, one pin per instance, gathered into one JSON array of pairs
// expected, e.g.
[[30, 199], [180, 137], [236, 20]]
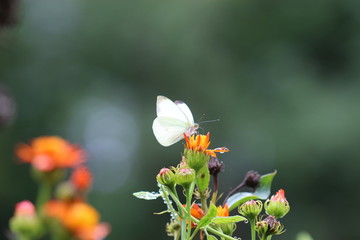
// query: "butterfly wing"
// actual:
[[169, 130], [167, 108], [172, 121], [186, 110]]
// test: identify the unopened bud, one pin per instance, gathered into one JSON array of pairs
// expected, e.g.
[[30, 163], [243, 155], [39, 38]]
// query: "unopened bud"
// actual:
[[277, 205], [166, 177], [173, 228], [252, 179], [215, 166], [184, 176], [25, 221], [196, 159], [269, 226], [65, 191], [251, 209], [228, 229]]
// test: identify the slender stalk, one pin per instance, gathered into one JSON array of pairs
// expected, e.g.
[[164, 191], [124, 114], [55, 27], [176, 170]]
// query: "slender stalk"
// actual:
[[188, 207], [183, 229], [204, 206], [168, 203], [252, 226], [237, 188], [43, 196]]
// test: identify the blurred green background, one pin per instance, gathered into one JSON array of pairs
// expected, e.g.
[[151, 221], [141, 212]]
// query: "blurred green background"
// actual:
[[283, 77]]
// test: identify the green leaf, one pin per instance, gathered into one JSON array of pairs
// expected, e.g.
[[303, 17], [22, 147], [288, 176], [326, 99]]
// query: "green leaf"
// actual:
[[262, 192], [203, 178], [147, 195], [226, 220], [206, 220]]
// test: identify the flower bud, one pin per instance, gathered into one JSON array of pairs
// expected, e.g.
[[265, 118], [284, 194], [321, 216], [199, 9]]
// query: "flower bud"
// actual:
[[269, 226], [252, 179], [173, 228], [166, 177], [228, 229], [215, 166], [251, 209], [277, 205], [196, 159], [184, 176], [65, 191], [25, 221]]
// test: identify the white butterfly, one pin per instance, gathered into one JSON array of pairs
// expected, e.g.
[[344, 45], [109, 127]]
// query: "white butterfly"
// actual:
[[173, 120]]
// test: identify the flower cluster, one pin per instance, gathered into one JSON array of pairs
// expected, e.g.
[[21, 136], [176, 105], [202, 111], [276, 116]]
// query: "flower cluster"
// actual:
[[200, 214], [61, 203]]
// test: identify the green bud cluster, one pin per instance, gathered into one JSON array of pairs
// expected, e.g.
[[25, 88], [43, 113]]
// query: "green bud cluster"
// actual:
[[251, 209], [173, 228], [228, 229], [166, 177], [184, 176], [277, 205], [269, 226], [23, 225], [196, 159]]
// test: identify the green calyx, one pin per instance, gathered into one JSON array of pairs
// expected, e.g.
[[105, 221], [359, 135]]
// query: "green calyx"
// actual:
[[184, 176], [196, 159], [251, 209], [278, 209], [166, 177]]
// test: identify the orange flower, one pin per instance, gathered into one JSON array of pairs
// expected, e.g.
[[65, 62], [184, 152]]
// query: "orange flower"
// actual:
[[196, 211], [80, 215], [201, 143], [81, 178], [279, 196], [56, 209], [49, 153], [79, 218], [223, 211]]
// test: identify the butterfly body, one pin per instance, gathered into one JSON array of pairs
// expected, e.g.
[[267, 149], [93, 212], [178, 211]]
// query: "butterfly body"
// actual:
[[172, 121]]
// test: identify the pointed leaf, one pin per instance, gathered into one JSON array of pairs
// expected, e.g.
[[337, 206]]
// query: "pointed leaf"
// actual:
[[203, 178], [206, 220], [226, 220], [147, 195], [262, 192]]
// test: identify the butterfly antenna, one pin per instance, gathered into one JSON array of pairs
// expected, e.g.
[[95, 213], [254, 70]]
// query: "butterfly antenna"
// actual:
[[215, 120], [201, 117]]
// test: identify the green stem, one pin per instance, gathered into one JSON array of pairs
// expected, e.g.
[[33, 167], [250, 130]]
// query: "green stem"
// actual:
[[204, 206], [166, 197], [189, 194], [269, 237], [252, 226], [183, 229], [43, 196]]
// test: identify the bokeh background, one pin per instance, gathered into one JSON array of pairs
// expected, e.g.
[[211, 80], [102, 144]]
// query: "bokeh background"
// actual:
[[283, 77]]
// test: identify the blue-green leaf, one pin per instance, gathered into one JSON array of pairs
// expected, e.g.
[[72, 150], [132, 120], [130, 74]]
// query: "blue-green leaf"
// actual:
[[147, 195], [262, 192]]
